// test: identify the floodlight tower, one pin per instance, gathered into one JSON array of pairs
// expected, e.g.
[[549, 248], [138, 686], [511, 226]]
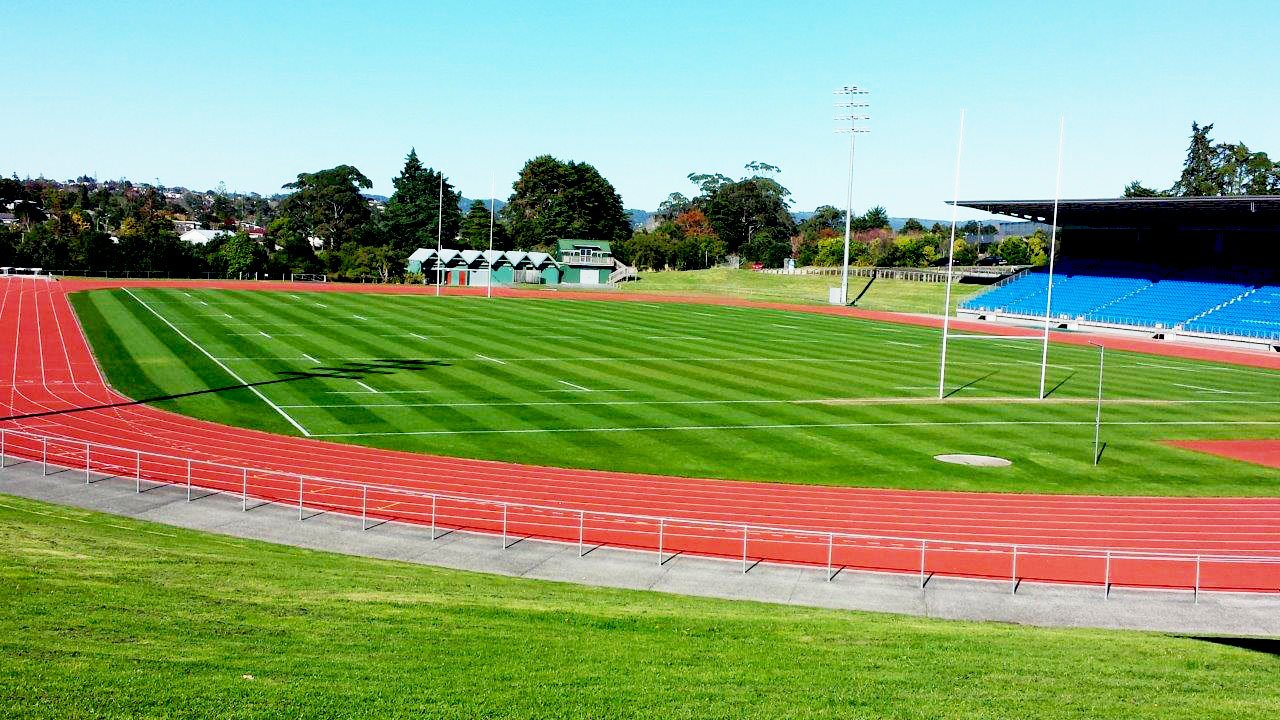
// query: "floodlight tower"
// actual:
[[850, 96]]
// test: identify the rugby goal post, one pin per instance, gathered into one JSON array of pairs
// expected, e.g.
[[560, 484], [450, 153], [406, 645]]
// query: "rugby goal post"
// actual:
[[308, 277]]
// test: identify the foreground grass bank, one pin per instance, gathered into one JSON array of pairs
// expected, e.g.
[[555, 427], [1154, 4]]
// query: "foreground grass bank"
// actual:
[[107, 617], [883, 294]]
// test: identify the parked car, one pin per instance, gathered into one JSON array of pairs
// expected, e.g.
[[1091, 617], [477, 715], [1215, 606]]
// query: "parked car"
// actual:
[[992, 260], [757, 266]]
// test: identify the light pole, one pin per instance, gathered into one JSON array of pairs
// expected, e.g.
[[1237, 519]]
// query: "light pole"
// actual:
[[850, 96]]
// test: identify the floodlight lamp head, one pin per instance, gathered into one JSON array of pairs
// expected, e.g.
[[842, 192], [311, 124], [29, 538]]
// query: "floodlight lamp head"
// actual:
[[850, 90]]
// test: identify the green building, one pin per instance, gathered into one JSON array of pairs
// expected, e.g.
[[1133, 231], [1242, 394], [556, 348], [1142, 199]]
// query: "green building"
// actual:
[[473, 267], [585, 262]]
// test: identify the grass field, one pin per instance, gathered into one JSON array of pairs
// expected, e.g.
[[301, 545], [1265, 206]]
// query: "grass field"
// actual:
[[102, 616], [681, 389], [883, 294]]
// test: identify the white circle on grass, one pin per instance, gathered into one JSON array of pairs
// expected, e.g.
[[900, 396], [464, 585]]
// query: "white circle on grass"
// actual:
[[974, 460]]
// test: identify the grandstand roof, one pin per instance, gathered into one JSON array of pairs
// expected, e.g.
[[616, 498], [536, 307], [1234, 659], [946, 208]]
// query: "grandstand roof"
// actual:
[[1251, 211]]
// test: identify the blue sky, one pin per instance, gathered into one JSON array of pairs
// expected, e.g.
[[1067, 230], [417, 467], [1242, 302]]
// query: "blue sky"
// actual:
[[251, 93]]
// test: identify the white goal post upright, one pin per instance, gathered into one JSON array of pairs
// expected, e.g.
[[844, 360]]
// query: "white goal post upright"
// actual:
[[1053, 246], [951, 262], [439, 233], [493, 199]]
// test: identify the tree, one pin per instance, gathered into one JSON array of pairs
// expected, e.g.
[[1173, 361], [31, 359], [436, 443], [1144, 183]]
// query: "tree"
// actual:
[[966, 254], [675, 204], [1136, 189], [912, 225], [739, 211], [475, 229], [767, 249], [1015, 251], [413, 215], [242, 254], [555, 199], [1199, 173], [328, 204], [873, 219]]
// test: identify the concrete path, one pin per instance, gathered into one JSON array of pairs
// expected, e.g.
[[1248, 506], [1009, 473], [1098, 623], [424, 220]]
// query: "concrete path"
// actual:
[[950, 598]]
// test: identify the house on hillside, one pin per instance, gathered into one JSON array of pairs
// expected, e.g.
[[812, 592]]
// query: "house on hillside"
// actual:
[[183, 227], [200, 236]]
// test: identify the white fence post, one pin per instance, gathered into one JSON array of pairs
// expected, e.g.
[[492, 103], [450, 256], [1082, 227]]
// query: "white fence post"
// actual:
[[1013, 579], [831, 541], [86, 463], [661, 527], [137, 471], [2, 439], [1197, 590], [1106, 580], [433, 517], [300, 481], [504, 526], [44, 457]]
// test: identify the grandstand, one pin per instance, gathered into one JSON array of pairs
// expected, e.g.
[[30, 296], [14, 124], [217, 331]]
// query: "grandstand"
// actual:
[[1192, 268]]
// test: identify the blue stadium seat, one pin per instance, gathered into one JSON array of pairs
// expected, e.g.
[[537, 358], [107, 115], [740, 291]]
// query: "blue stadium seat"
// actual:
[[1255, 315]]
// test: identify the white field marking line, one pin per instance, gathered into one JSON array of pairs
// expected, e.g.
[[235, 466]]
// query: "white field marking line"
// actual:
[[188, 294], [380, 392], [789, 327], [706, 314], [1212, 390], [295, 297], [914, 387], [792, 426], [903, 344], [650, 305], [221, 364], [321, 305], [1028, 362], [228, 315], [486, 357], [420, 337], [264, 335], [574, 391], [674, 337], [365, 386], [359, 317], [572, 385], [203, 303], [1165, 367], [308, 357]]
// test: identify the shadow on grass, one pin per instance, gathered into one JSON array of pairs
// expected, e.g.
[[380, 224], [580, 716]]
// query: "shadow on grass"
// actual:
[[345, 371], [1268, 646], [971, 383]]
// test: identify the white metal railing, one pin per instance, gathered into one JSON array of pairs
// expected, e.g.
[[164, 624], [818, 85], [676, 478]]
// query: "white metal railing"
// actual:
[[667, 535]]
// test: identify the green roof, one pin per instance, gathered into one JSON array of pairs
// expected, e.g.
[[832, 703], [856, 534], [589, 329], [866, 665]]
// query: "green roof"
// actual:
[[565, 244]]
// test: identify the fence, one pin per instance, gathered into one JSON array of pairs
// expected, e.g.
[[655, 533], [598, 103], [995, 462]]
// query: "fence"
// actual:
[[666, 536], [935, 275]]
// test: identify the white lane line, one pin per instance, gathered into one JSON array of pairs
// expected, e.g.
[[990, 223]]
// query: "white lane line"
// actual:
[[363, 392], [228, 315], [650, 305], [785, 426], [188, 294], [295, 297], [486, 357], [706, 314], [904, 344], [420, 337], [221, 364], [359, 317], [264, 335], [321, 305], [365, 386], [1212, 390], [572, 385], [203, 302], [914, 387], [317, 362], [789, 327]]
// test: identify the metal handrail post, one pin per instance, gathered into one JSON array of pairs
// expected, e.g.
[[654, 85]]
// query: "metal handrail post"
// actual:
[[744, 549], [923, 545], [1197, 590], [661, 528], [137, 471], [2, 438], [86, 463], [582, 521], [188, 481], [433, 517], [504, 526], [44, 457], [831, 541], [364, 507], [1013, 578], [244, 489], [1106, 580], [300, 481]]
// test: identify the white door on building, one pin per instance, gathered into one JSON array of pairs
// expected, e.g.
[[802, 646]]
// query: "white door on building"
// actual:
[[589, 276]]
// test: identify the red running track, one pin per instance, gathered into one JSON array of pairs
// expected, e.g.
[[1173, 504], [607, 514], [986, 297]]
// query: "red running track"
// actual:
[[52, 379]]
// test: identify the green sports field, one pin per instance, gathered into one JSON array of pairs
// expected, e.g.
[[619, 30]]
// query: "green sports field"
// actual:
[[685, 389], [105, 617]]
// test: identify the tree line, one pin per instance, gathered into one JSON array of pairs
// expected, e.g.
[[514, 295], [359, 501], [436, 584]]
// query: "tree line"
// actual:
[[1214, 169]]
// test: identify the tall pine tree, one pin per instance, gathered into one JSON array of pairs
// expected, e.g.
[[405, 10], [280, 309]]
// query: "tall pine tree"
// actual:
[[413, 212]]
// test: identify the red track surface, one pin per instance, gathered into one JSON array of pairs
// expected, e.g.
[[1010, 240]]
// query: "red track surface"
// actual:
[[50, 368]]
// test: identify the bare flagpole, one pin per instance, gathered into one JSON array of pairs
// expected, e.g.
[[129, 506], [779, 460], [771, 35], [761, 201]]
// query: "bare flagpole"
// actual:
[[492, 201], [951, 261], [440, 235], [1053, 245]]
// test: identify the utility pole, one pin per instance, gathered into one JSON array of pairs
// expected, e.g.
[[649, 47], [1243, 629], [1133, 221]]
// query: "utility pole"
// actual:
[[850, 101]]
